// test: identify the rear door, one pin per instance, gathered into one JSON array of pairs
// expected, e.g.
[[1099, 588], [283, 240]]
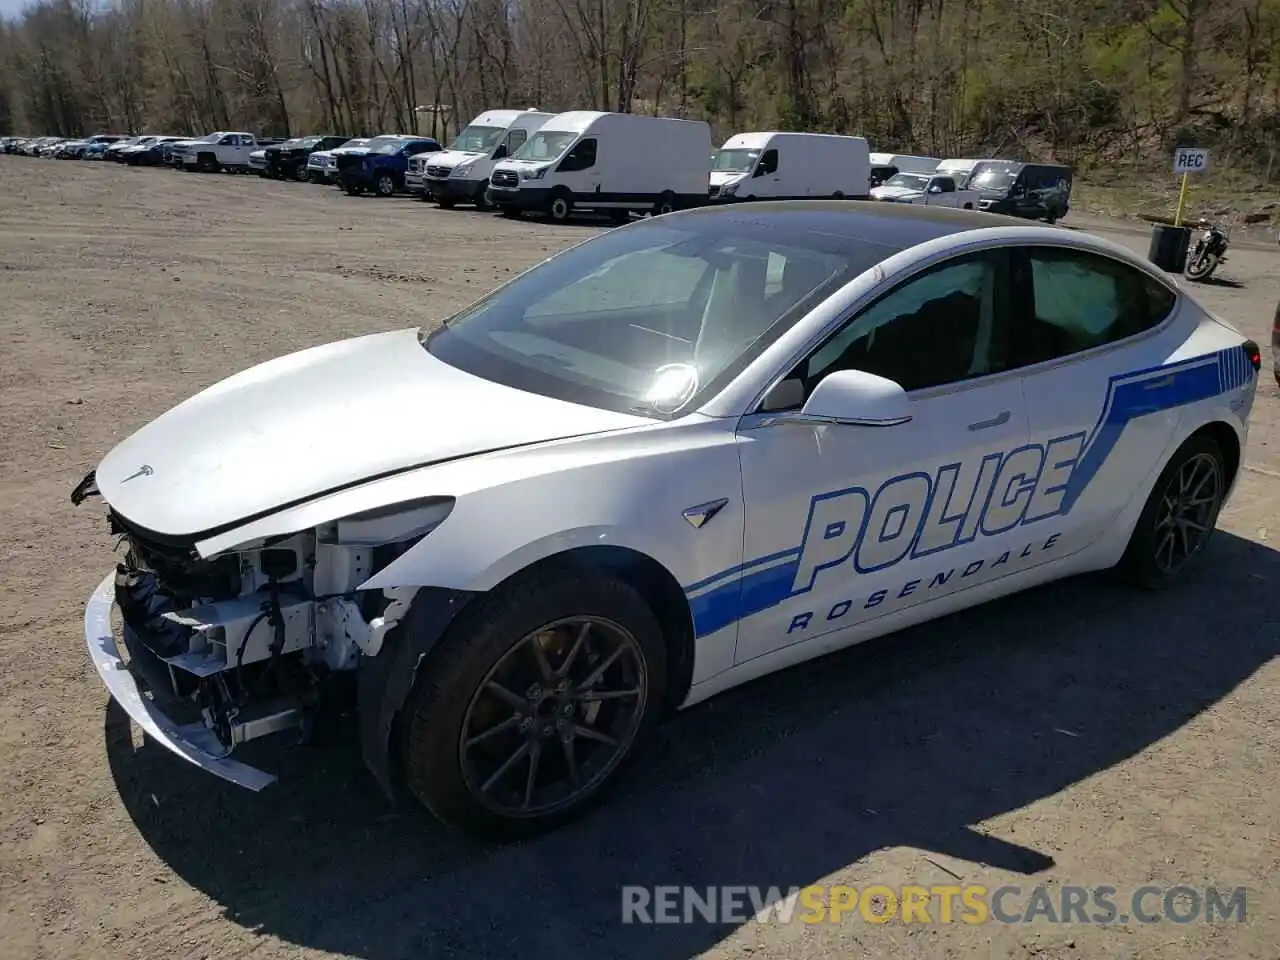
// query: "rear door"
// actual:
[[1102, 395]]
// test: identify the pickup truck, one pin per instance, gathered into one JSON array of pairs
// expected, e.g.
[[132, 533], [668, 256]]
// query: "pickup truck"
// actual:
[[936, 190], [381, 165], [218, 151]]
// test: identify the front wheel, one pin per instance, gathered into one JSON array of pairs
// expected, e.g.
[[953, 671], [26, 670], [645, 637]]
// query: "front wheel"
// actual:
[[560, 207], [533, 701], [1179, 517], [385, 185], [1201, 266]]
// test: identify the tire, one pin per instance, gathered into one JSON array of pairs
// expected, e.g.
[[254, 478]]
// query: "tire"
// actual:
[[969, 206], [666, 204], [351, 188], [838, 195], [1143, 564], [385, 185], [1202, 267], [446, 203], [300, 173], [453, 699], [620, 218], [561, 206], [207, 163], [511, 213], [482, 201]]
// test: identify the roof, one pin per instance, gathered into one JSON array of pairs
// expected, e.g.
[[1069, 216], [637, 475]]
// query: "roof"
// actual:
[[892, 224]]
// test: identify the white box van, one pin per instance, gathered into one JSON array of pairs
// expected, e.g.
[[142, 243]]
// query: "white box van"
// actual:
[[607, 162], [790, 166], [885, 165], [460, 173], [958, 168]]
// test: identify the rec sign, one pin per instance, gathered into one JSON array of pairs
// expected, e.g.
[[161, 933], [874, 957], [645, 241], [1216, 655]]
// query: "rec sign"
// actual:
[[1190, 160]]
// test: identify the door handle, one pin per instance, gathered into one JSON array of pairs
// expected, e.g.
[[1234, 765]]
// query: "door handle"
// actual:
[[996, 421]]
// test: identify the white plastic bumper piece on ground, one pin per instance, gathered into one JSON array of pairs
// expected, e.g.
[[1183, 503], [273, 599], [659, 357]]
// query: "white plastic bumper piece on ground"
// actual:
[[193, 742]]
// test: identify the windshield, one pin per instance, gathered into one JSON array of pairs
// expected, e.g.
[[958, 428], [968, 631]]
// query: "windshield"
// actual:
[[545, 145], [913, 181], [478, 139], [395, 146], [302, 142], [994, 176], [655, 318], [734, 161]]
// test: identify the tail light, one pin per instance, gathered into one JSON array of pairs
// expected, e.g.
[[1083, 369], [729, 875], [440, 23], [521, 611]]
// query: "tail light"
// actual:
[[1254, 354]]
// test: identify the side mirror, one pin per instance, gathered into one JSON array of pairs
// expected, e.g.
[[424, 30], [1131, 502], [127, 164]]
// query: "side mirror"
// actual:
[[853, 398], [936, 188], [759, 172], [501, 152]]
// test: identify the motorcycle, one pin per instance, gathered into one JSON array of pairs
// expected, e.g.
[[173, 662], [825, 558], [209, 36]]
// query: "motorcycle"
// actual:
[[1209, 251]]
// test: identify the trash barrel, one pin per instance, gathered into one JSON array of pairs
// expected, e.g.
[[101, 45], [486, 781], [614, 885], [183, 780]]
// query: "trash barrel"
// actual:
[[1169, 246]]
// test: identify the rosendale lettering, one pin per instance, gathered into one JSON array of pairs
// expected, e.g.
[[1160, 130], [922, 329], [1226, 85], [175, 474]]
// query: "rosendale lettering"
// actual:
[[1028, 551]]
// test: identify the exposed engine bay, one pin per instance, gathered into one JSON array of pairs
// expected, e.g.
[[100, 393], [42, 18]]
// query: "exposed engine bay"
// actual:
[[252, 642]]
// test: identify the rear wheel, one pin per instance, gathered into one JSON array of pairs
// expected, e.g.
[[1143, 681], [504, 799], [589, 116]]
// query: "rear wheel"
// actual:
[[666, 204], [532, 703], [446, 203], [1179, 517], [300, 173], [511, 213]]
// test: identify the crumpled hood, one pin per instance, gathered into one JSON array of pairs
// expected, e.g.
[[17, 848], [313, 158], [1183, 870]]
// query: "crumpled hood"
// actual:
[[310, 422], [895, 193]]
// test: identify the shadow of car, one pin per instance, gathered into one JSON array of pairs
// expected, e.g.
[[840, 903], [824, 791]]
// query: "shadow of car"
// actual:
[[904, 741]]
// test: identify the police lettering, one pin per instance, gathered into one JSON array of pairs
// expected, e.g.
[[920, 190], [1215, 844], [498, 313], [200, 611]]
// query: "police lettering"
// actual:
[[916, 514]]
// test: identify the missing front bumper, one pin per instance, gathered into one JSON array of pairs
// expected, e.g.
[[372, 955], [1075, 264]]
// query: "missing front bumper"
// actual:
[[192, 741]]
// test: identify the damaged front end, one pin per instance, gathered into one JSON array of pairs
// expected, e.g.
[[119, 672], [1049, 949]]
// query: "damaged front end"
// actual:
[[224, 649]]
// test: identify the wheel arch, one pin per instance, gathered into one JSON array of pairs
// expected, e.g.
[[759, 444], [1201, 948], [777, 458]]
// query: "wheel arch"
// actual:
[[386, 680], [1228, 441]]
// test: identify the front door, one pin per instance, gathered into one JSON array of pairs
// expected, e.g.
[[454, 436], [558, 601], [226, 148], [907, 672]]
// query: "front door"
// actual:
[[846, 524], [579, 171]]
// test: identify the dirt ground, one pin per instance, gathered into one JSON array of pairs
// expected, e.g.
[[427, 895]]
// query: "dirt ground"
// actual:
[[1081, 734]]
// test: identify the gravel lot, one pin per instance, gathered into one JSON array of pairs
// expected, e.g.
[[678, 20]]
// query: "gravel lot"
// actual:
[[1082, 734]]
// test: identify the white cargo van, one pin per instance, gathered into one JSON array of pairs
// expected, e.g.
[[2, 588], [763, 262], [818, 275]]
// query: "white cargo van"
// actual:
[[460, 173], [886, 165], [958, 168], [611, 163], [790, 166]]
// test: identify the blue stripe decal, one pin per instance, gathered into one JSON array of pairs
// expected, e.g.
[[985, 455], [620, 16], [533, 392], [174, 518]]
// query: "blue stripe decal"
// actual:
[[760, 584]]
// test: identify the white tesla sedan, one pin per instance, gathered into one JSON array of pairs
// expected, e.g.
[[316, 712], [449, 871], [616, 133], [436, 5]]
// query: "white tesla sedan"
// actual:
[[678, 456]]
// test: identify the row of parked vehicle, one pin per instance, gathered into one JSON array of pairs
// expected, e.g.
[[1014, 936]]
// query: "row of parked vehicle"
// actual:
[[614, 164]]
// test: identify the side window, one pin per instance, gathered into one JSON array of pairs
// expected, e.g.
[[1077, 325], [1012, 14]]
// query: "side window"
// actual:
[[515, 140], [1083, 300], [944, 184], [768, 163], [946, 325], [229, 140], [581, 157]]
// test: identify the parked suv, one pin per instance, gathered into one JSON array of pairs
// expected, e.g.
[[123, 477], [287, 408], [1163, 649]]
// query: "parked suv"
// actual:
[[1034, 191], [289, 159], [380, 167]]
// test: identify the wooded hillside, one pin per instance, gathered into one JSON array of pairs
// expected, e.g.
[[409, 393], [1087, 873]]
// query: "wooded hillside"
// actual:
[[1086, 81]]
